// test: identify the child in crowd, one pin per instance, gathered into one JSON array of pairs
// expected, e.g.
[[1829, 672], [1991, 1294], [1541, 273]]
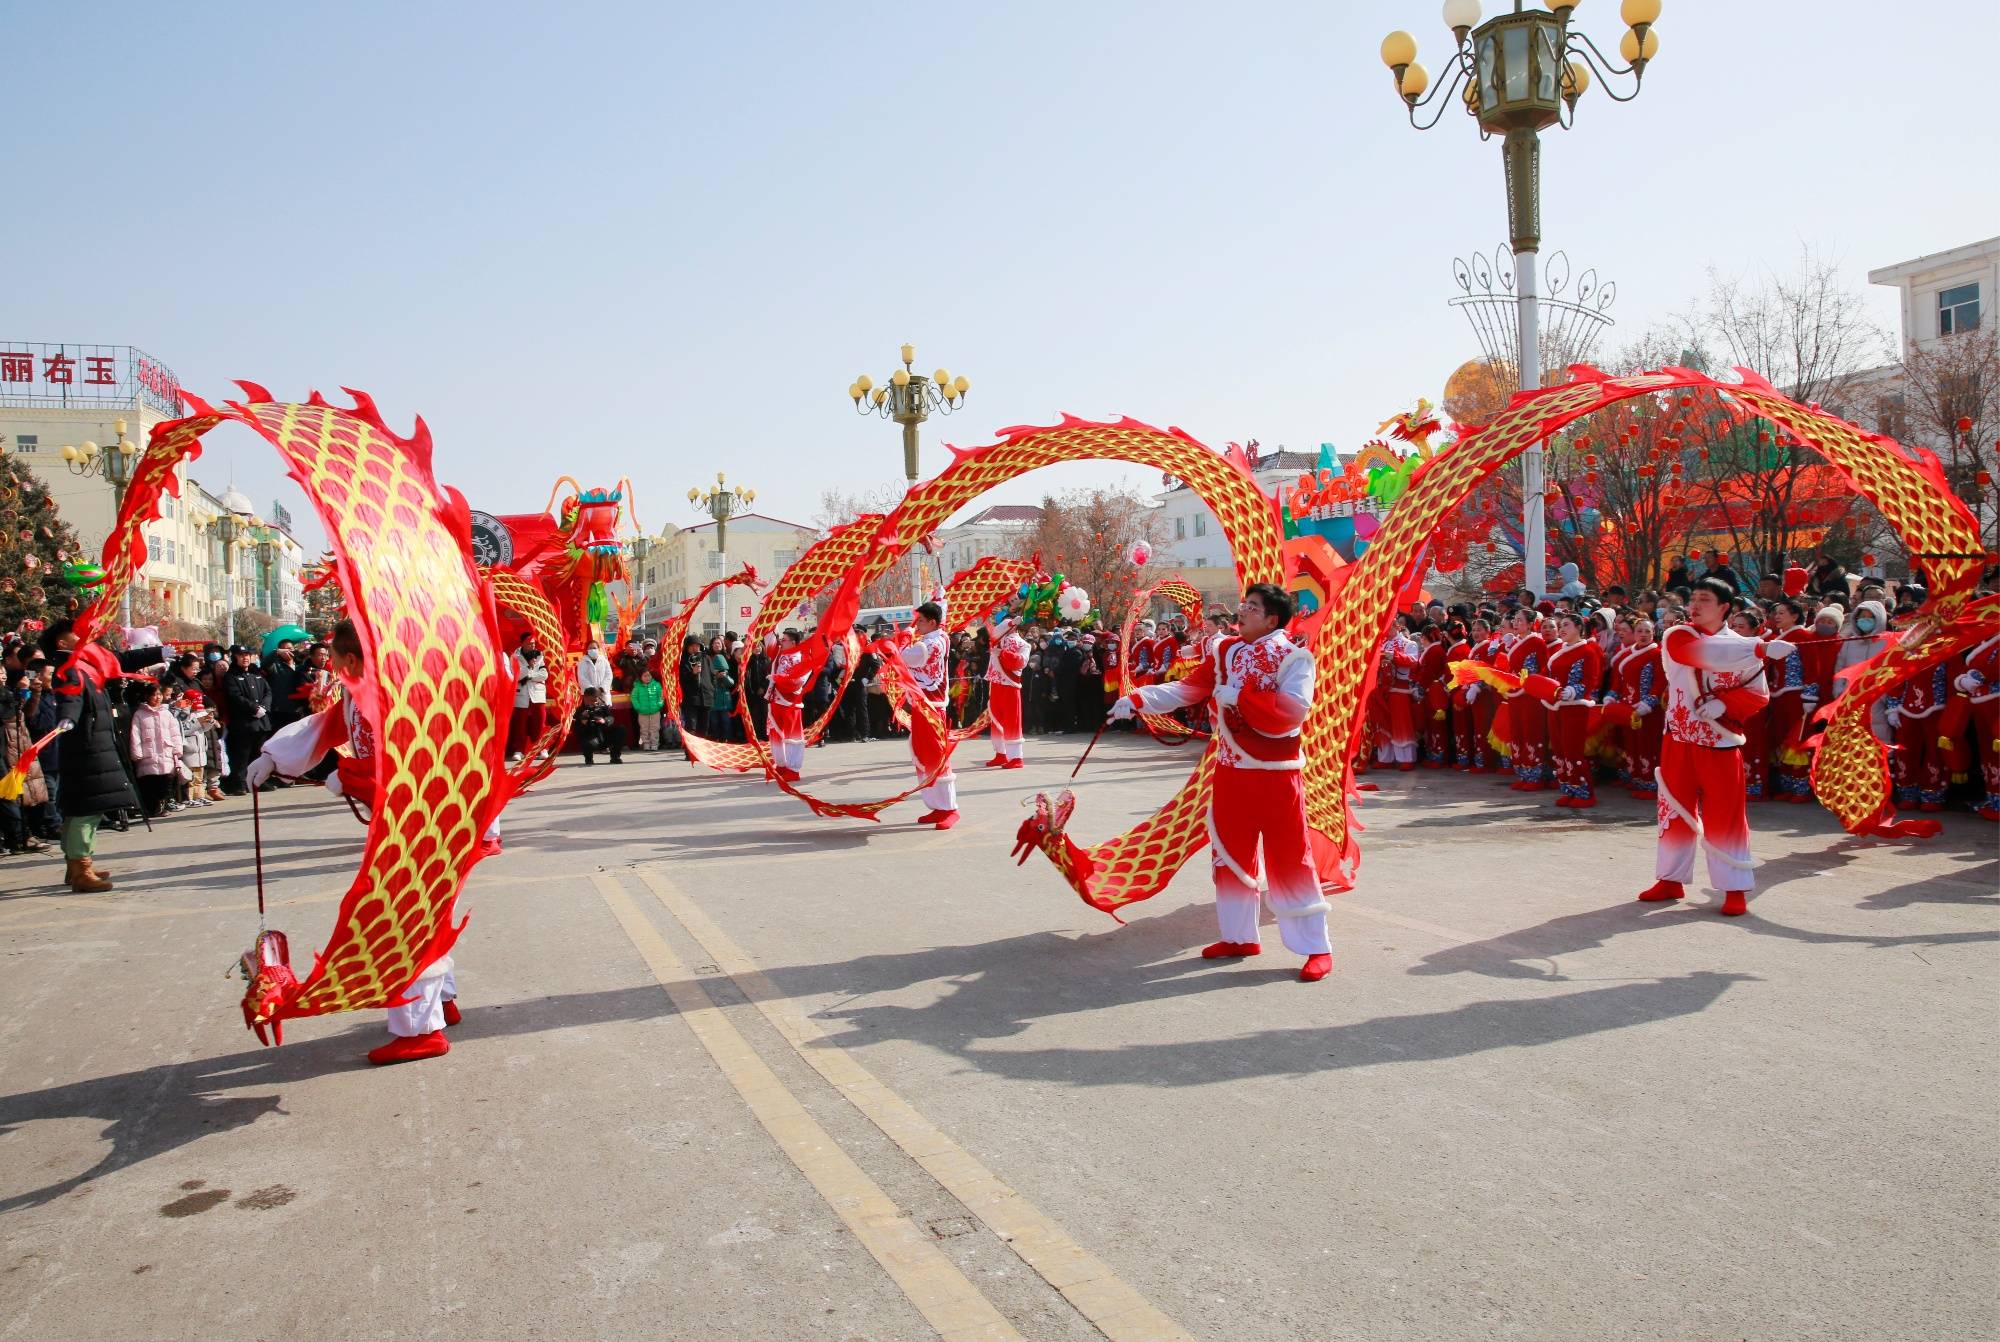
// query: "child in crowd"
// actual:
[[156, 747]]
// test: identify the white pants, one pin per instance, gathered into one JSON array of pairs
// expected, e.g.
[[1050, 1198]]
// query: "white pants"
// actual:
[[941, 795], [425, 1012], [788, 754], [1003, 747], [1236, 910]]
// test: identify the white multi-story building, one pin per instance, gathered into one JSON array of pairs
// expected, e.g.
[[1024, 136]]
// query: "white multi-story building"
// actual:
[[1195, 546], [1944, 293], [684, 559], [996, 531]]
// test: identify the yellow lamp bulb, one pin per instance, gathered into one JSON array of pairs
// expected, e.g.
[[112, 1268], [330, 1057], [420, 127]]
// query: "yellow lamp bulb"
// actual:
[[1415, 80], [866, 383], [1398, 48], [1636, 12], [1633, 52]]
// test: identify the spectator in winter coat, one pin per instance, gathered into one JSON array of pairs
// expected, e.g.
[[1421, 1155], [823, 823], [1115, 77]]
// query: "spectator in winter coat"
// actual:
[[593, 672], [692, 672], [246, 703], [156, 746], [14, 739], [648, 696], [531, 700], [93, 770], [289, 684]]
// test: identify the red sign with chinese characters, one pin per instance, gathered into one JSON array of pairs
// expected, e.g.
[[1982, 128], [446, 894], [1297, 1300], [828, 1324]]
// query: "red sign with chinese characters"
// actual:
[[33, 373]]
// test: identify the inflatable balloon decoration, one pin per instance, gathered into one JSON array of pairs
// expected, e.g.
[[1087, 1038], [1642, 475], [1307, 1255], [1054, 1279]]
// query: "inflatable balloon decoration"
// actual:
[[438, 687]]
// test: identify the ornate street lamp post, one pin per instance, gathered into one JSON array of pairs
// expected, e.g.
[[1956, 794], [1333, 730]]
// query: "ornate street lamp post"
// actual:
[[909, 399], [114, 463], [722, 502], [234, 527], [1515, 75]]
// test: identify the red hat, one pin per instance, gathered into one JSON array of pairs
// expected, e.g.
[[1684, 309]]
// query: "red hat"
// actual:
[[1545, 606]]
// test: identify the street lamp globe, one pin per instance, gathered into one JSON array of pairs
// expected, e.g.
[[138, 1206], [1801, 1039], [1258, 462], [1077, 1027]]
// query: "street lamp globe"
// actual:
[[1398, 49], [1639, 13], [1460, 15]]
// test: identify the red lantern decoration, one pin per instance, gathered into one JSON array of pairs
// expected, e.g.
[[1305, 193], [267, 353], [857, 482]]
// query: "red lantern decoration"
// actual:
[[1590, 458], [1702, 452], [1686, 401], [1985, 479], [1868, 560], [1965, 424], [1489, 547]]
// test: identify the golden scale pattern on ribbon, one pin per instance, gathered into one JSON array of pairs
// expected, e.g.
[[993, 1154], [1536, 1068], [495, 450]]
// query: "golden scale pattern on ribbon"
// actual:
[[1907, 487], [442, 691], [1167, 730], [513, 592]]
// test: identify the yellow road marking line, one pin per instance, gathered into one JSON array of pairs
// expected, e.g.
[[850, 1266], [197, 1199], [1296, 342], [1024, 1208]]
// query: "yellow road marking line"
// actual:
[[1086, 1281], [946, 1298]]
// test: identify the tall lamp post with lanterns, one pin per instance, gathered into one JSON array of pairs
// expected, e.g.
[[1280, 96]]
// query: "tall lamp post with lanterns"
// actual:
[[909, 399], [722, 502], [114, 463], [234, 526], [1515, 75]]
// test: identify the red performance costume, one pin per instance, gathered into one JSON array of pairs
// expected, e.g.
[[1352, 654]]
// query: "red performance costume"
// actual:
[[1256, 813], [1713, 682], [1401, 701], [1925, 717], [1483, 701], [1576, 668], [1434, 704], [1793, 700], [1980, 684], [1638, 684], [1527, 717], [792, 672], [1003, 694], [928, 660]]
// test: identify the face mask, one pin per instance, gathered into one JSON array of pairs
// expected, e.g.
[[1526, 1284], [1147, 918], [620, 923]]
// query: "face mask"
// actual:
[[1866, 624], [213, 658]]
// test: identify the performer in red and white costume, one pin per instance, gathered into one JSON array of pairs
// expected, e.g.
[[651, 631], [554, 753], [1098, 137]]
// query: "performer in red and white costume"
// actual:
[[793, 666], [927, 658], [1401, 698], [1003, 693], [1639, 684], [1576, 667], [1794, 699], [1527, 717], [1714, 679], [1980, 684], [1261, 685], [1484, 700], [418, 1025], [1141, 653]]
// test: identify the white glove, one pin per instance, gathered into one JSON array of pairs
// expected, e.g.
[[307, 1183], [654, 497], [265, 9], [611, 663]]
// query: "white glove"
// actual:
[[1778, 647], [259, 771], [1568, 694], [1226, 695], [1642, 710], [1969, 683], [1711, 710], [1895, 716], [1472, 692], [1121, 710]]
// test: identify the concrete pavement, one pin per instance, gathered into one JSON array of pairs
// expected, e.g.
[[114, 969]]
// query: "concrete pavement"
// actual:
[[728, 1070]]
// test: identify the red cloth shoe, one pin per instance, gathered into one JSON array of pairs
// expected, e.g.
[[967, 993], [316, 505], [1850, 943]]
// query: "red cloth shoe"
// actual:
[[1565, 801], [451, 1012], [789, 775], [1984, 812], [1735, 903], [1525, 786], [1231, 950], [1659, 892], [1316, 968], [1405, 768], [1582, 803], [930, 817], [409, 1048], [946, 819], [997, 762], [1016, 764]]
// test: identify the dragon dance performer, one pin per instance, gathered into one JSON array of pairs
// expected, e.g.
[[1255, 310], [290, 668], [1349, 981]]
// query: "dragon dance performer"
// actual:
[[1980, 684], [1003, 693], [1793, 701], [1714, 680], [1577, 666], [418, 1025], [1925, 716], [1141, 654], [1261, 683], [797, 661], [927, 658], [1482, 702]]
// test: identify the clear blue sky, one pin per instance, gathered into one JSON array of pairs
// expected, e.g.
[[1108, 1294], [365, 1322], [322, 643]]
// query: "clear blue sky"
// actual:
[[656, 239]]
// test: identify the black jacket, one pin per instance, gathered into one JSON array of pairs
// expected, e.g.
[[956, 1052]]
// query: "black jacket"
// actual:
[[94, 780], [244, 691], [284, 682]]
